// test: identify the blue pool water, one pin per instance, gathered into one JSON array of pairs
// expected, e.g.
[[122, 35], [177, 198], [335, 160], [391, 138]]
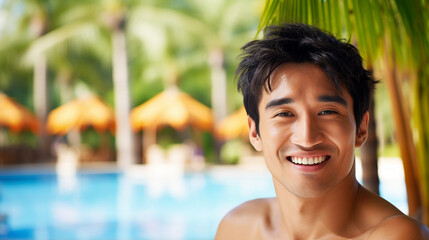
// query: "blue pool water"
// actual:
[[116, 206], [119, 206]]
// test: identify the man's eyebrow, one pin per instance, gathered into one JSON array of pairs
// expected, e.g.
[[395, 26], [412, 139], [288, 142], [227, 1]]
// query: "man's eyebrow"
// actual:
[[329, 98], [278, 102]]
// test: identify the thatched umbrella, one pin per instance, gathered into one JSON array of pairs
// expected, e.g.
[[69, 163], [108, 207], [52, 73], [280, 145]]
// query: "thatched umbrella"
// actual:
[[233, 126], [171, 107], [77, 115], [80, 114], [15, 116]]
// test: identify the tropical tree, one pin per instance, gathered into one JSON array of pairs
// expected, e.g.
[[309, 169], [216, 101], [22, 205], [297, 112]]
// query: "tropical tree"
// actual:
[[14, 77], [32, 20], [78, 20], [95, 23], [222, 27], [28, 23], [226, 27], [392, 37]]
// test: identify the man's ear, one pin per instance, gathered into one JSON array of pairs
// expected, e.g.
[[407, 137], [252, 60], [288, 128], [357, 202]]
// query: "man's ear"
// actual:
[[255, 140], [362, 133]]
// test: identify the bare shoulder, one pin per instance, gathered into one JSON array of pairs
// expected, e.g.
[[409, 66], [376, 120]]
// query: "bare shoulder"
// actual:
[[244, 221], [400, 227], [385, 221]]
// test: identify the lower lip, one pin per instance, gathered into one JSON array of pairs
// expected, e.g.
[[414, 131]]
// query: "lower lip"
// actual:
[[309, 168]]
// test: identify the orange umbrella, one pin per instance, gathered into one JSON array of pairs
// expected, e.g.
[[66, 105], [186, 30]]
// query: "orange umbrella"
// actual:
[[171, 107], [16, 116], [234, 125], [80, 114]]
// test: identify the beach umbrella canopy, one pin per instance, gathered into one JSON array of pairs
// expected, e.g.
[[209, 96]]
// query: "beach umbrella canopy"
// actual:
[[80, 114], [15, 116], [234, 125], [171, 107]]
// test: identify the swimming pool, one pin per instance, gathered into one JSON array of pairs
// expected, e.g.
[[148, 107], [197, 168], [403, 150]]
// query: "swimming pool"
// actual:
[[118, 206], [143, 205]]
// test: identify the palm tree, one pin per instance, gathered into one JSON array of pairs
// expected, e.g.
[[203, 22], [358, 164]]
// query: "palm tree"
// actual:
[[33, 20], [48, 38], [392, 36], [227, 26], [112, 17], [14, 77], [98, 18], [223, 27], [124, 136]]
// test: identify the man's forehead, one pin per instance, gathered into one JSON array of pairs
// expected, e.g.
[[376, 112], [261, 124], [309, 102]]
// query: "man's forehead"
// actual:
[[307, 75], [306, 72]]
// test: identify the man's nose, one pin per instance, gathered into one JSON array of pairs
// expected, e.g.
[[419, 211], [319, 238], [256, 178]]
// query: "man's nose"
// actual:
[[307, 132]]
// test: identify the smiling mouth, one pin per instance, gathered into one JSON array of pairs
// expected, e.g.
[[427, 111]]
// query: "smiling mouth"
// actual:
[[308, 161]]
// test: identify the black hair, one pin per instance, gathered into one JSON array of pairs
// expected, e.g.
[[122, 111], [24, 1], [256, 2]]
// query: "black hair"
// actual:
[[301, 43]]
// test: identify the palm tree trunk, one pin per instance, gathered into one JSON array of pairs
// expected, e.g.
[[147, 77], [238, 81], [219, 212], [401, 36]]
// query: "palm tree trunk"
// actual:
[[421, 113], [64, 79], [369, 155], [41, 104], [404, 136], [218, 82], [218, 92], [124, 135]]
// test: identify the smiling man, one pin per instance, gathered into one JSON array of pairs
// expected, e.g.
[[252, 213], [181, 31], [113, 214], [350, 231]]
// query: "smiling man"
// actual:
[[307, 96]]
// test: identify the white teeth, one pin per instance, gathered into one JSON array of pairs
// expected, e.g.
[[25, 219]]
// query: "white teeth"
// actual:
[[305, 161], [308, 161]]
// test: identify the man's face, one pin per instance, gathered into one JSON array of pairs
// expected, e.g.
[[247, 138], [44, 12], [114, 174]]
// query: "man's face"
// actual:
[[307, 130]]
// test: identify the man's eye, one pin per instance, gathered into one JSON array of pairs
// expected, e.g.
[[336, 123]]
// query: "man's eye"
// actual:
[[284, 114], [327, 112]]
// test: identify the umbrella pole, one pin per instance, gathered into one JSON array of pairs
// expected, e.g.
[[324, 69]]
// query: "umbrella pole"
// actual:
[[143, 148], [3, 137], [149, 138], [74, 138]]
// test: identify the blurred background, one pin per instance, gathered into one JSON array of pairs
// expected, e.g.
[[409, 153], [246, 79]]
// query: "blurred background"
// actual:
[[121, 119]]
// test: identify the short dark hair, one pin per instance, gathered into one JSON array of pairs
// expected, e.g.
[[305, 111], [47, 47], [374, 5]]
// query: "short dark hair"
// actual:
[[301, 43]]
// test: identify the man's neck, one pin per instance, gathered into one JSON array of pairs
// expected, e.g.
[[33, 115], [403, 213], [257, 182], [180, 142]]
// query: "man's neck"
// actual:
[[314, 218]]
